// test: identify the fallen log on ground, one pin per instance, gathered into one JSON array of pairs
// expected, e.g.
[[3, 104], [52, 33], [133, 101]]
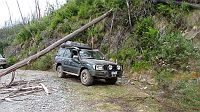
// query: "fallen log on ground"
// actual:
[[53, 46], [23, 91], [45, 88]]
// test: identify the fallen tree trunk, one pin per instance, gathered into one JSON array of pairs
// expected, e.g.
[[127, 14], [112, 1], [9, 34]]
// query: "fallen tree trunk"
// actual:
[[178, 2], [53, 46]]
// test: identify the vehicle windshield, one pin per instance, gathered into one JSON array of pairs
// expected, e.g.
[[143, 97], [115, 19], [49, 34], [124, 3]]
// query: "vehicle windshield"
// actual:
[[91, 54]]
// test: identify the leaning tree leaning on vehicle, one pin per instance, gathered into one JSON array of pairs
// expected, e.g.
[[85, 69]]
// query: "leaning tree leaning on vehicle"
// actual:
[[28, 60]]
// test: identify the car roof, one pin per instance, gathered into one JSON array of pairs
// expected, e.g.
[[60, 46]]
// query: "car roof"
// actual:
[[75, 45]]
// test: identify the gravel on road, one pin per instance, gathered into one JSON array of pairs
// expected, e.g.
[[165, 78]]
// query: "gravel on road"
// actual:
[[69, 95]]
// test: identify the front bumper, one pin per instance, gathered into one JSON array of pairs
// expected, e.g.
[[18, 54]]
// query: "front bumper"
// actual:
[[105, 74], [3, 63]]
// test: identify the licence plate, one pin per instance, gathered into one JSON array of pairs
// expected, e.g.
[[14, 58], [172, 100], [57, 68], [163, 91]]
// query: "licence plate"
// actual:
[[114, 74]]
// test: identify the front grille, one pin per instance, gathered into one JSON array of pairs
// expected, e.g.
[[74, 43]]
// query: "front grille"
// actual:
[[2, 60], [113, 69]]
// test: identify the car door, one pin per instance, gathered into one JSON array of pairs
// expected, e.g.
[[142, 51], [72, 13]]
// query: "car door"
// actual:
[[75, 64], [66, 57], [59, 56]]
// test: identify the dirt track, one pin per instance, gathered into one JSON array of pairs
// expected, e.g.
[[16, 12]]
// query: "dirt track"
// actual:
[[69, 95]]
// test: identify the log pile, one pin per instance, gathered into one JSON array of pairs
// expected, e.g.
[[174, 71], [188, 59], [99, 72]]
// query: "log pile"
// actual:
[[22, 88]]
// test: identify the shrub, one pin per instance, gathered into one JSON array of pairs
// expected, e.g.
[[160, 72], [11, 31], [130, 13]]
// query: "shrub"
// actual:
[[187, 94], [38, 37], [174, 13], [64, 27], [174, 52], [164, 79], [12, 60], [23, 35], [116, 4], [2, 46], [43, 63], [84, 11], [140, 65], [56, 20], [145, 35], [47, 33], [170, 51]]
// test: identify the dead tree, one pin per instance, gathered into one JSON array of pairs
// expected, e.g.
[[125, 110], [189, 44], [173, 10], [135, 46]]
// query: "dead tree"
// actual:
[[111, 29], [9, 13], [37, 9], [129, 12], [20, 12], [53, 46]]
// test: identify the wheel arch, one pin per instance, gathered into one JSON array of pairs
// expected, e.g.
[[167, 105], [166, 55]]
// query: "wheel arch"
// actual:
[[58, 64], [82, 68]]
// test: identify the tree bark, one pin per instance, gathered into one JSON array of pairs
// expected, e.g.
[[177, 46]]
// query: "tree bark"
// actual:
[[53, 46], [9, 13]]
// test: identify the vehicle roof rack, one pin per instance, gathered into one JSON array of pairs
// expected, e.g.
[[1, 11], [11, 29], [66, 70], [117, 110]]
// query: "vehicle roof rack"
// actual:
[[75, 44]]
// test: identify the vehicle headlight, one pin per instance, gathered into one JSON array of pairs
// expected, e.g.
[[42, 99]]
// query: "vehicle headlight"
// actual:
[[99, 67], [110, 67], [118, 67], [94, 67]]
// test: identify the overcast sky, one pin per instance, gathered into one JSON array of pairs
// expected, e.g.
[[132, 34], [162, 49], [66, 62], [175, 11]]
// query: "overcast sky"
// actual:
[[27, 6]]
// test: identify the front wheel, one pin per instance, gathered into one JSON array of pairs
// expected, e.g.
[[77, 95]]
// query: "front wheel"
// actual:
[[86, 78], [111, 81], [4, 66], [60, 72]]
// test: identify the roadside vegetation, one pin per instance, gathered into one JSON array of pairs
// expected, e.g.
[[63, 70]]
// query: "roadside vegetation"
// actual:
[[154, 41]]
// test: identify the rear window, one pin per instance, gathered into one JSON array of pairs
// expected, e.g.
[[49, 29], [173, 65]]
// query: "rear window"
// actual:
[[61, 52]]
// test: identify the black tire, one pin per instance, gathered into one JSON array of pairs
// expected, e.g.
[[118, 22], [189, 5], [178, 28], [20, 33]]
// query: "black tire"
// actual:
[[60, 72], [4, 66], [86, 78], [111, 81]]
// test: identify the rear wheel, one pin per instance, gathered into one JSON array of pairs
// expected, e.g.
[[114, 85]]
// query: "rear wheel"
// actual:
[[86, 78], [111, 81], [60, 72]]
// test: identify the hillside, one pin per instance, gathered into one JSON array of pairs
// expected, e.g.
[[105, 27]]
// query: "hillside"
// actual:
[[158, 40]]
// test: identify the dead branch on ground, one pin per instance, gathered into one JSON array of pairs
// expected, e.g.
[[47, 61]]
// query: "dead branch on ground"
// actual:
[[23, 91]]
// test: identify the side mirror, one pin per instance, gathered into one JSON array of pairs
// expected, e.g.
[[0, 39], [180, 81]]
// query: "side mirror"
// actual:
[[75, 57]]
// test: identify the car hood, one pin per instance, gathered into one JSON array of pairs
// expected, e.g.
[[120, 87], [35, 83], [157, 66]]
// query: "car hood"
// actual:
[[98, 62]]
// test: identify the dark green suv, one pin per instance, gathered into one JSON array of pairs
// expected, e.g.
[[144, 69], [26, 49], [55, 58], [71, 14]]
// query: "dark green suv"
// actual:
[[3, 61], [80, 60]]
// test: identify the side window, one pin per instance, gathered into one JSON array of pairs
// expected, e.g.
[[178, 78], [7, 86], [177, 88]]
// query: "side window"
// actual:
[[61, 52], [67, 53]]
